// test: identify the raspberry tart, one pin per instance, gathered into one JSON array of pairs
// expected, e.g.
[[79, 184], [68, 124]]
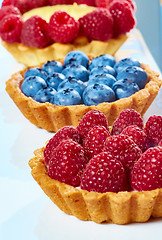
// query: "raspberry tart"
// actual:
[[111, 180], [59, 93], [34, 32]]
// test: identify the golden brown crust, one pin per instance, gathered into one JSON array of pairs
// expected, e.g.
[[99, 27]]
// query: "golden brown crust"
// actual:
[[52, 117], [35, 56], [119, 208]]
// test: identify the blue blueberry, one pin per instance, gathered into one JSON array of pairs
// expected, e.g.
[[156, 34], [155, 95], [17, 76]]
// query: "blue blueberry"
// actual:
[[67, 97], [36, 72], [102, 61], [77, 71], [135, 74], [52, 66], [106, 79], [102, 70], [76, 57], [31, 85], [55, 79], [77, 85], [125, 62], [45, 95], [98, 93], [125, 88]]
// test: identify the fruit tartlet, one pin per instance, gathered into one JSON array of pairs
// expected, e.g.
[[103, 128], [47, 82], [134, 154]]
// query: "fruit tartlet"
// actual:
[[34, 32], [59, 93], [104, 175]]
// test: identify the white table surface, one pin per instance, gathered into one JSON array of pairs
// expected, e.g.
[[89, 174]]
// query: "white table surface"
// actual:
[[25, 211]]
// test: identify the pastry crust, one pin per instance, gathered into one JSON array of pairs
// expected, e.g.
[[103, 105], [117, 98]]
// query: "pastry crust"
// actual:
[[35, 56], [119, 208], [52, 117]]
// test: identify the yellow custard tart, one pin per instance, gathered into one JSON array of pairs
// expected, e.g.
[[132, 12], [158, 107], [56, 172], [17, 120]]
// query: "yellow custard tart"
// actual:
[[31, 56]]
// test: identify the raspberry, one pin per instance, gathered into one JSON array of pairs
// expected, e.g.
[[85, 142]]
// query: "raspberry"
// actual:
[[153, 129], [94, 141], [91, 119], [58, 2], [8, 10], [124, 149], [10, 28], [146, 174], [132, 4], [37, 4], [103, 3], [6, 2], [97, 24], [87, 2], [123, 15], [35, 32], [67, 132], [106, 3], [137, 135], [104, 174], [160, 143], [127, 117], [67, 163], [22, 5], [62, 27]]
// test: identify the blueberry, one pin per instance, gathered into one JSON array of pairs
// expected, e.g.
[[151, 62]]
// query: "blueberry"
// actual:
[[55, 79], [31, 85], [125, 88], [36, 72], [67, 97], [77, 71], [45, 95], [135, 74], [102, 70], [52, 66], [77, 85], [76, 57], [98, 93], [106, 79], [125, 62], [102, 61]]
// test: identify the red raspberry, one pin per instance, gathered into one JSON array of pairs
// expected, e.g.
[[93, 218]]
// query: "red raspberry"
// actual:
[[103, 3], [106, 3], [153, 129], [88, 2], [91, 119], [127, 117], [22, 5], [97, 24], [123, 15], [67, 163], [94, 141], [58, 2], [124, 149], [6, 10], [10, 28], [6, 2], [37, 4], [132, 4], [62, 27], [146, 174], [67, 132], [104, 174], [137, 135], [35, 32], [160, 143]]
